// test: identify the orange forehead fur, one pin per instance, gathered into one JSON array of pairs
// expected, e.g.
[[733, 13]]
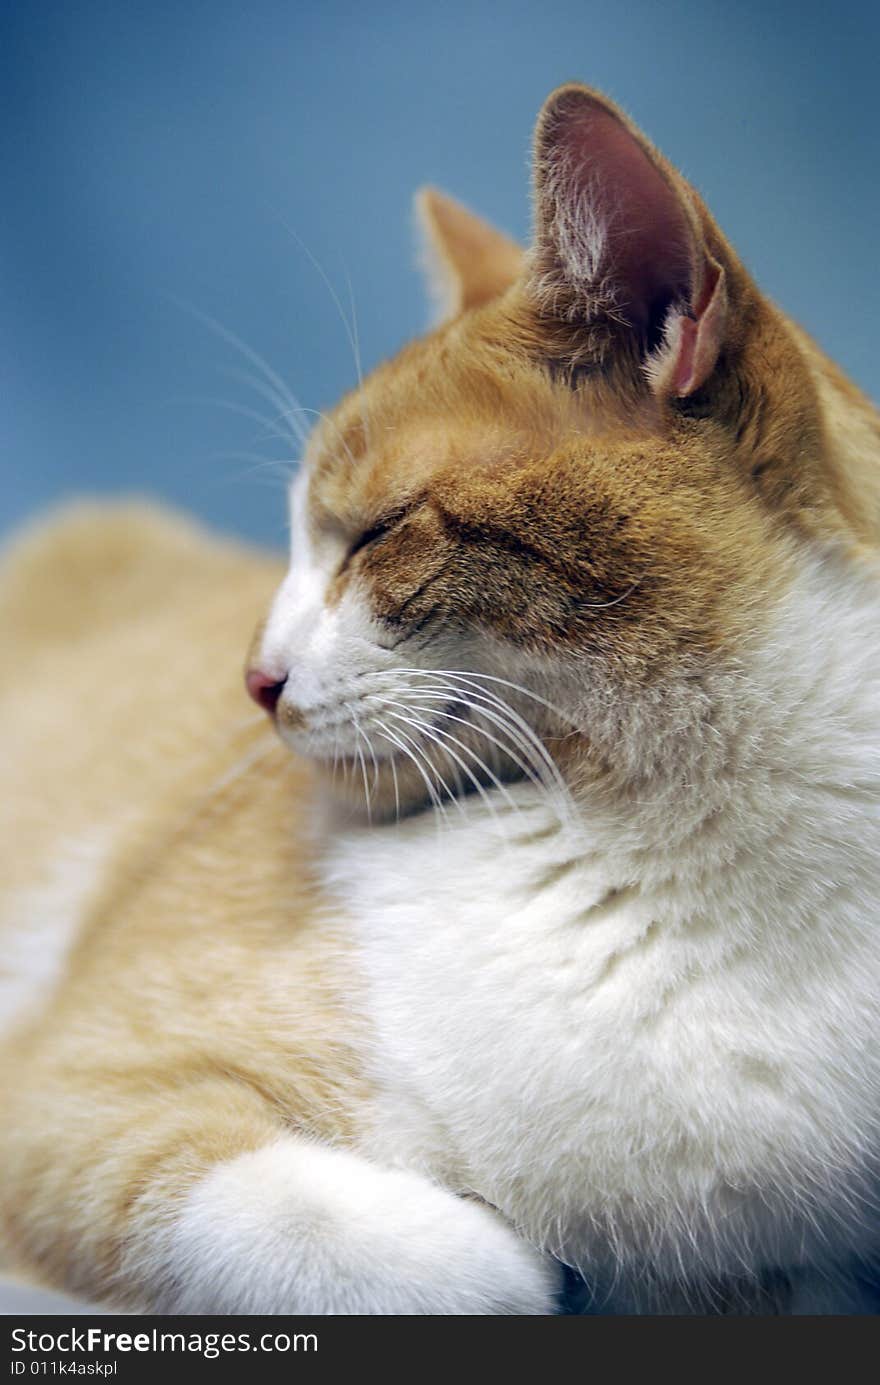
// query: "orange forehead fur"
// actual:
[[694, 502]]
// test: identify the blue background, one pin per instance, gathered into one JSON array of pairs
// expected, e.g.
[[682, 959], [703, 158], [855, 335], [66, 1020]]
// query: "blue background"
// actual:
[[157, 154]]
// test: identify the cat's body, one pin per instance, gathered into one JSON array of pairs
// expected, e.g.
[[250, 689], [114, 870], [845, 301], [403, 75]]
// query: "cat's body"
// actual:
[[257, 1045]]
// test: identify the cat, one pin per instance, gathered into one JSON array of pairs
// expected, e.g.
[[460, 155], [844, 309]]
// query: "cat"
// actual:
[[536, 924]]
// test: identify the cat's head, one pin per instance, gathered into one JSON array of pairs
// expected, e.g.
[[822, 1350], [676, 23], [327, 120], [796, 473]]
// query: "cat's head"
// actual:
[[539, 529]]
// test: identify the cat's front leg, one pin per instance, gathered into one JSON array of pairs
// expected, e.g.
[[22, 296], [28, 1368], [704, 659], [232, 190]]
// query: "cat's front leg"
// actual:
[[186, 1194], [298, 1227]]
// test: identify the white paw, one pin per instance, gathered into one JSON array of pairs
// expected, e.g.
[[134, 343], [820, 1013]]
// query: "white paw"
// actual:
[[297, 1227]]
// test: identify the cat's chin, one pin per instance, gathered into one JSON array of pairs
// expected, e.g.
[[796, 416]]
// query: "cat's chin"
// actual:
[[374, 791], [390, 789]]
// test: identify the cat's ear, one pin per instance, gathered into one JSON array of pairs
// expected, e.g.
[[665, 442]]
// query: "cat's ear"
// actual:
[[619, 240], [468, 262]]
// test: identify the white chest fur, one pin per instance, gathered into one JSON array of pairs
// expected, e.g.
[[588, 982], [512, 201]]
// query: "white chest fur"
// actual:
[[639, 1051]]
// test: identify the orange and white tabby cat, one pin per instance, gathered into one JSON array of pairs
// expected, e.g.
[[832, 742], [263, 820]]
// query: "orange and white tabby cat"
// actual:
[[546, 927]]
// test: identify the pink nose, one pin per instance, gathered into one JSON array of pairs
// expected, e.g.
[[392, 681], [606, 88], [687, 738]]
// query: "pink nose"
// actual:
[[263, 689]]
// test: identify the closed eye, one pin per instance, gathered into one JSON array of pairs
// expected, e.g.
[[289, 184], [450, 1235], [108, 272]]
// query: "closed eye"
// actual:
[[376, 531]]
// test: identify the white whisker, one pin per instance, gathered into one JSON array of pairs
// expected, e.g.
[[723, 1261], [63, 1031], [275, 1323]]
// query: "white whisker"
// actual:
[[509, 714], [427, 731], [363, 765], [349, 330], [288, 409], [428, 761], [434, 734], [433, 796], [226, 334], [603, 605], [470, 675], [271, 427], [408, 707], [453, 695]]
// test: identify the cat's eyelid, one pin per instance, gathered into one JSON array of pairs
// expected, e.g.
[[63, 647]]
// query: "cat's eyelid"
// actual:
[[368, 536], [379, 528]]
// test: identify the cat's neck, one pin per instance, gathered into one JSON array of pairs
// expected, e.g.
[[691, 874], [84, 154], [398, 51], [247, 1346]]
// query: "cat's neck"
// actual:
[[781, 750]]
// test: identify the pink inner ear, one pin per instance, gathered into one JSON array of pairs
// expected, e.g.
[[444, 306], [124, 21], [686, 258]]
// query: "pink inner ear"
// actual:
[[646, 259], [700, 338]]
